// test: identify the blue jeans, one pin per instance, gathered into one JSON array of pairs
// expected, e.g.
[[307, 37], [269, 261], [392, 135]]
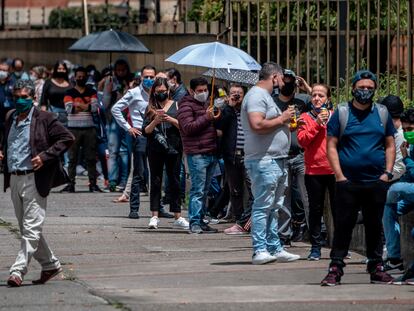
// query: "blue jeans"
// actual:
[[201, 169], [400, 201], [119, 146], [269, 180], [140, 145]]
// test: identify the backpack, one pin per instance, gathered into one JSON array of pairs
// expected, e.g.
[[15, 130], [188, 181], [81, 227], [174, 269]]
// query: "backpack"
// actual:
[[343, 110]]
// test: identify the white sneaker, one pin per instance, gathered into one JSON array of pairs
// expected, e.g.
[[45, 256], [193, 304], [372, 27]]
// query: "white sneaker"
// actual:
[[153, 223], [284, 256], [261, 258], [181, 223]]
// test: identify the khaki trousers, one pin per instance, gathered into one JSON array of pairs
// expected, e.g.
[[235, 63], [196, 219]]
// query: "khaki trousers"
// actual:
[[30, 210]]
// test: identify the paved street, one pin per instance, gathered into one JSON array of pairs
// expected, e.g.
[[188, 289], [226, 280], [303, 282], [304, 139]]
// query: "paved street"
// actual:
[[113, 263]]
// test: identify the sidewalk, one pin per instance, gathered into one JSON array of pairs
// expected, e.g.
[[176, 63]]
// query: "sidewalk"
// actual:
[[113, 263]]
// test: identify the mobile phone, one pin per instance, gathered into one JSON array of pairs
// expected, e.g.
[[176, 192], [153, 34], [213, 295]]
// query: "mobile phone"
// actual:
[[160, 111]]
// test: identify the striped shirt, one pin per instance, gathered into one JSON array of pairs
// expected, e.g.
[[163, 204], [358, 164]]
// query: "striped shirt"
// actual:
[[240, 132], [73, 99]]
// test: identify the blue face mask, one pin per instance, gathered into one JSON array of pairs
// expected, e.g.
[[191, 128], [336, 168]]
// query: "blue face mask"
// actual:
[[147, 83], [23, 104], [318, 110]]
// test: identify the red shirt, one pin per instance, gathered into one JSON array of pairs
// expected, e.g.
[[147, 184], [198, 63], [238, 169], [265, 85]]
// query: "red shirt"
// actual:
[[312, 138]]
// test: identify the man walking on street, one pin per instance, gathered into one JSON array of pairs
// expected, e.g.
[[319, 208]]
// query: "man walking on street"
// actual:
[[266, 148], [32, 145], [361, 152]]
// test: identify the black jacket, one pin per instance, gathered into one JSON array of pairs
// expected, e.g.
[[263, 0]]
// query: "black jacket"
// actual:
[[49, 139], [228, 125]]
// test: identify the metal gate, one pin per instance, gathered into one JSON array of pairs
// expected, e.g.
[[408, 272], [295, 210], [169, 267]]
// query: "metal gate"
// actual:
[[328, 40]]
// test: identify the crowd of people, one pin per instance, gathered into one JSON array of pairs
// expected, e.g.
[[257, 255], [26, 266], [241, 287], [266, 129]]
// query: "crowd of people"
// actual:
[[264, 158]]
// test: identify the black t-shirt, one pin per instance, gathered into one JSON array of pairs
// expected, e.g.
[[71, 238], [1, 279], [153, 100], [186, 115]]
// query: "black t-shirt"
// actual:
[[301, 102], [52, 94]]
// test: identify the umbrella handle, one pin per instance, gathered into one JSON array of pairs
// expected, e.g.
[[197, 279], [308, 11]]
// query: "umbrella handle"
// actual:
[[211, 105]]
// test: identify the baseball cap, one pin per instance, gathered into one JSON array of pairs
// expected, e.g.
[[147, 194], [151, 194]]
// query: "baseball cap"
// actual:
[[394, 105], [289, 73], [364, 74]]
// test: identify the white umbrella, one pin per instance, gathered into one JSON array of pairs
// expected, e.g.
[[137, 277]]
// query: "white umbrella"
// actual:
[[214, 55]]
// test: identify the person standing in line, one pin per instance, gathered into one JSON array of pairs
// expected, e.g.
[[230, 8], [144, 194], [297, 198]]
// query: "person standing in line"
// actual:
[[199, 137], [54, 91], [266, 148], [319, 175], [164, 148], [31, 148], [136, 100], [361, 151], [80, 102]]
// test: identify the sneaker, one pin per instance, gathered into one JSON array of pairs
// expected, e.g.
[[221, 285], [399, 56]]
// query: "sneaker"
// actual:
[[348, 255], [333, 277], [407, 278], [69, 188], [95, 188], [119, 188], [214, 221], [379, 276], [208, 229], [133, 215], [195, 229], [394, 265], [181, 223], [261, 258], [236, 230], [163, 214], [315, 254], [153, 223], [284, 256]]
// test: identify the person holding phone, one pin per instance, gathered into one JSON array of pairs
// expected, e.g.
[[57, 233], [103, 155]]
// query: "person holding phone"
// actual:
[[164, 148]]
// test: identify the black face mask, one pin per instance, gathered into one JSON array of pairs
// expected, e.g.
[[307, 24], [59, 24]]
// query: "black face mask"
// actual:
[[160, 97], [81, 82], [60, 74], [288, 89]]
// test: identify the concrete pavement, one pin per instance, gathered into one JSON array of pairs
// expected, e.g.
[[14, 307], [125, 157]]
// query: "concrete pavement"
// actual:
[[111, 262]]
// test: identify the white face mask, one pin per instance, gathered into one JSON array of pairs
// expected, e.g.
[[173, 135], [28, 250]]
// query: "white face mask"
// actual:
[[201, 97], [3, 74], [219, 102]]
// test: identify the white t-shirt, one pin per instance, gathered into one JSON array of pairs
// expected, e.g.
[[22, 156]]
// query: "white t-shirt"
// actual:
[[256, 146]]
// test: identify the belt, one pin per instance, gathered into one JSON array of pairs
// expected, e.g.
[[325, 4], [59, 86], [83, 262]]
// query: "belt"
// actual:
[[19, 173], [239, 152]]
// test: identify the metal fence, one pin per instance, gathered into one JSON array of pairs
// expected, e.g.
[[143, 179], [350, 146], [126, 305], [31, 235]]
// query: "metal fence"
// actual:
[[327, 40]]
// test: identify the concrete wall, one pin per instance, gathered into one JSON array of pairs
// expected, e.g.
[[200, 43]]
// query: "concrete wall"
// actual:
[[45, 47]]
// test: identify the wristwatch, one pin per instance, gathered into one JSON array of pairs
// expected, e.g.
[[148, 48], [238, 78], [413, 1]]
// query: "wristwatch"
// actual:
[[389, 175]]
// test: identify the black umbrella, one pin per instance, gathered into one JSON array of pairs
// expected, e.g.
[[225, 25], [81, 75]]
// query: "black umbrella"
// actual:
[[109, 41]]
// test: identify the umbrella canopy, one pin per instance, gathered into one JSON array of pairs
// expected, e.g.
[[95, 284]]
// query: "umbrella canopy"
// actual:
[[109, 41], [244, 77], [214, 55]]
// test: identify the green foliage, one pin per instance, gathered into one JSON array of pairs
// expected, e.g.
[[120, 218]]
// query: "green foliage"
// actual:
[[66, 18], [100, 18], [387, 85], [207, 10]]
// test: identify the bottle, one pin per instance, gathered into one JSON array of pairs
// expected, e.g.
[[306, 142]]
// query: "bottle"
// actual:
[[293, 120]]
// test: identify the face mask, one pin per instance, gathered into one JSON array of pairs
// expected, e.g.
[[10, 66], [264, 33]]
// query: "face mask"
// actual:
[[172, 86], [147, 83], [409, 137], [201, 97], [18, 74], [3, 74], [23, 104], [81, 82], [363, 97], [160, 97], [219, 102], [33, 77], [60, 75], [288, 89], [318, 110]]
